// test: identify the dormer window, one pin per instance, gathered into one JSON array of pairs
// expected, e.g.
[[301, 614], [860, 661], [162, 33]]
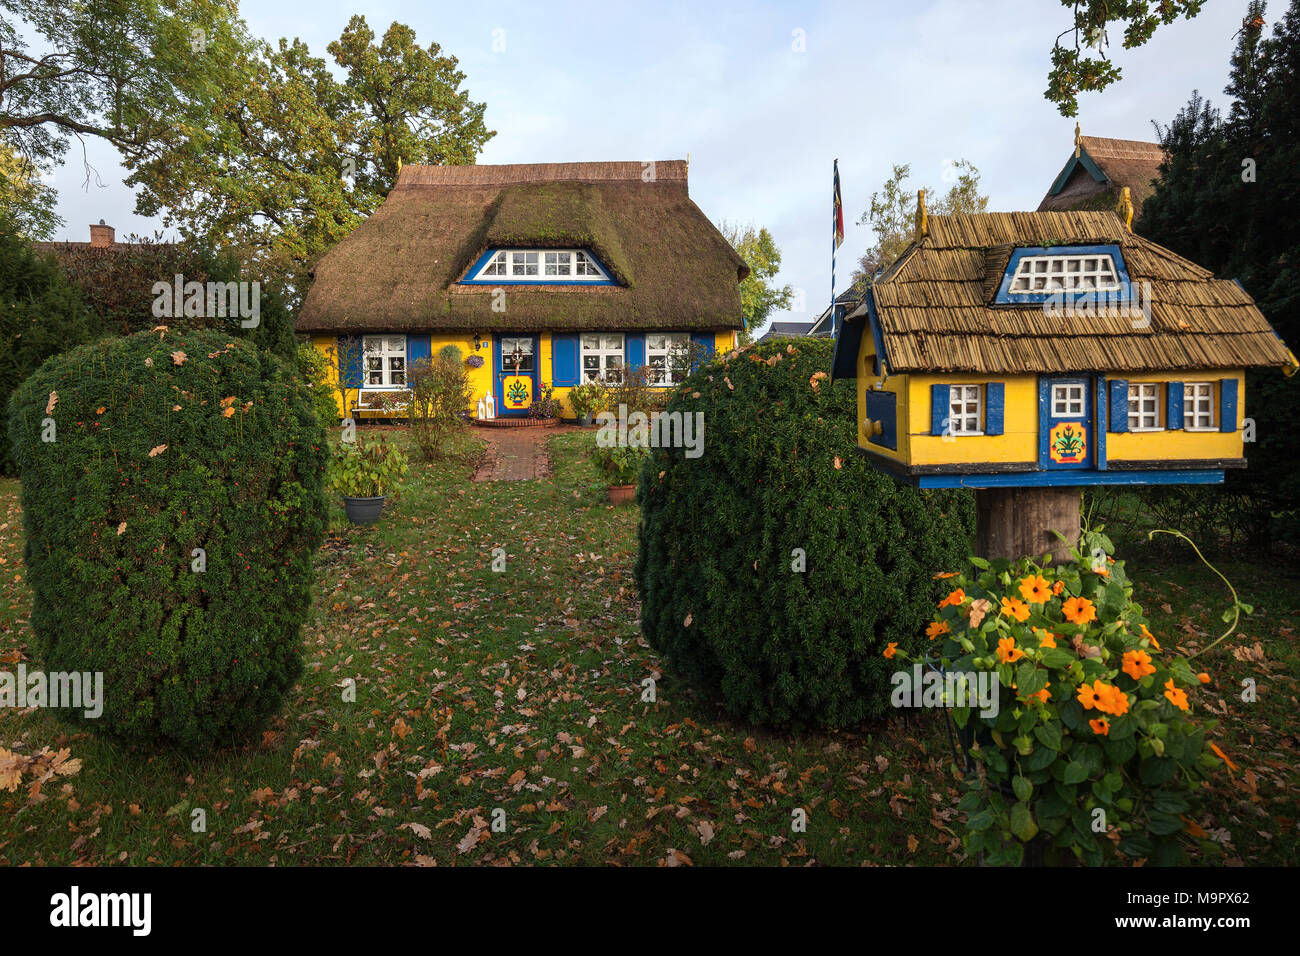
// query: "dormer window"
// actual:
[[538, 265], [1063, 273]]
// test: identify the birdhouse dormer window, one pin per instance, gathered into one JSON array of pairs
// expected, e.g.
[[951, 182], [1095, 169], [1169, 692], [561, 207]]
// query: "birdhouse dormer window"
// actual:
[[1035, 275], [537, 266]]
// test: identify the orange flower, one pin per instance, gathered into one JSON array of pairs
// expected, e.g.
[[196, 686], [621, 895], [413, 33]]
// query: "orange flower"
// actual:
[[1222, 756], [1016, 608], [891, 648], [1035, 589], [945, 574], [1007, 651], [1045, 638], [1100, 726], [1176, 697], [1042, 695], [1137, 664], [1058, 587], [1087, 695], [1103, 571], [1150, 637], [936, 628], [1079, 610], [1114, 701], [1203, 677], [955, 598]]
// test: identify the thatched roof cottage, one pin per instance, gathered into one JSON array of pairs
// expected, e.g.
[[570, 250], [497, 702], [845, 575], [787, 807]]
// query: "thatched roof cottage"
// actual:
[[552, 273]]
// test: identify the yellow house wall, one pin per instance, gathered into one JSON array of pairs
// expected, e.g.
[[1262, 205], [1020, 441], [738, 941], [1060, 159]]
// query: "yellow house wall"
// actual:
[[1178, 444], [480, 379], [1019, 441]]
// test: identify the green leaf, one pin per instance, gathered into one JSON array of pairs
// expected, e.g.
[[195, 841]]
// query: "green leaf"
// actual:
[[1075, 772], [1022, 822], [1049, 734], [1022, 787]]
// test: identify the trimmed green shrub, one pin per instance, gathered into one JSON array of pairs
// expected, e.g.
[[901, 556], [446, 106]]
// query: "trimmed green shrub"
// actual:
[[170, 527], [41, 314], [778, 486]]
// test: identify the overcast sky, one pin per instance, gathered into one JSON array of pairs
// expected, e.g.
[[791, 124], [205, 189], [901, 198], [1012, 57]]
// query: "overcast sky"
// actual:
[[875, 83]]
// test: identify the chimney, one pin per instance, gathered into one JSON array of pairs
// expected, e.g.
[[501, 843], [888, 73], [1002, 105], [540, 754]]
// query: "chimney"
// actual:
[[101, 236]]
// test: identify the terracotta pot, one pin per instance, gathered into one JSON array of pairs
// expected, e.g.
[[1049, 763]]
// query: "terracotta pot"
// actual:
[[364, 510], [621, 493]]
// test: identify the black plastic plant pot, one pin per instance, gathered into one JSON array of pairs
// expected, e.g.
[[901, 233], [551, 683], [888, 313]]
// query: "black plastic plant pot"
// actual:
[[584, 420], [364, 510]]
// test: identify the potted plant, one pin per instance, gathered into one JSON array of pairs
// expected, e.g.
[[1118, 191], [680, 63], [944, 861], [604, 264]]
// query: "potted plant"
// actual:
[[621, 464], [364, 473], [545, 406], [587, 399]]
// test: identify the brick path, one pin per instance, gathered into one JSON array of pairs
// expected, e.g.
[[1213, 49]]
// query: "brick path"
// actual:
[[515, 454]]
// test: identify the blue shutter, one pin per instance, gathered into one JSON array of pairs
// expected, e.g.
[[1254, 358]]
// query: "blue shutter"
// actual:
[[1173, 404], [1227, 404], [419, 348], [351, 372], [635, 352], [705, 341], [883, 407], [1118, 405], [564, 360], [993, 404], [939, 406]]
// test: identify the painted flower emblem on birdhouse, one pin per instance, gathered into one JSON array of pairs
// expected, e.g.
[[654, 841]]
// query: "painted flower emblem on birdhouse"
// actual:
[[1067, 443], [518, 391]]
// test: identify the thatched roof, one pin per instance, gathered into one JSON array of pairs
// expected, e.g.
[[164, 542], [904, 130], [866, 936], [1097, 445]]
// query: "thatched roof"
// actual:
[[1094, 178], [401, 268], [936, 313]]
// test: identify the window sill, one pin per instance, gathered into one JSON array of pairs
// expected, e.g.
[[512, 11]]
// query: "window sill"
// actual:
[[1142, 430], [1204, 428]]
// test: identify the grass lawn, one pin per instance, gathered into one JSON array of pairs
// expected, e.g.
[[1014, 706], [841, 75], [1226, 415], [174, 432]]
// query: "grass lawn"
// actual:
[[520, 692]]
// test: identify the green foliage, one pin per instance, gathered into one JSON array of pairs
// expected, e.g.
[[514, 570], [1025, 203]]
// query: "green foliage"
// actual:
[[1091, 715], [314, 369], [41, 314], [759, 295], [587, 398], [119, 285], [367, 469], [164, 444], [780, 485], [439, 391], [1208, 208], [1074, 70], [892, 216], [239, 176], [26, 203], [620, 463]]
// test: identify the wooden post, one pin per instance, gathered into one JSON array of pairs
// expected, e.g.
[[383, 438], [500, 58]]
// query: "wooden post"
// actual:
[[1018, 522]]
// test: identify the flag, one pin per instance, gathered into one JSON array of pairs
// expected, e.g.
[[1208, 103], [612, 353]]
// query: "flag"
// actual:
[[839, 209]]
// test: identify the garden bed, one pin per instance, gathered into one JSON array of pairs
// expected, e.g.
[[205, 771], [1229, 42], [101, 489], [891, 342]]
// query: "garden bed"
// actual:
[[515, 422]]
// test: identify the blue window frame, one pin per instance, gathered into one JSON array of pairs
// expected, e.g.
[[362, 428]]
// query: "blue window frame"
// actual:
[[523, 266], [1037, 274]]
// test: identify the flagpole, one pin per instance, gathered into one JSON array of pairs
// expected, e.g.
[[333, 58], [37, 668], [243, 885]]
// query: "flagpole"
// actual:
[[835, 195]]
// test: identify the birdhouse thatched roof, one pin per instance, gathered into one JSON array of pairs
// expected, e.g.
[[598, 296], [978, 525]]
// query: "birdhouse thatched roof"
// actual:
[[936, 306], [401, 268]]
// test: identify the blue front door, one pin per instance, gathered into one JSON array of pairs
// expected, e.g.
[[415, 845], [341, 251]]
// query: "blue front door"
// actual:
[[1065, 422], [515, 380]]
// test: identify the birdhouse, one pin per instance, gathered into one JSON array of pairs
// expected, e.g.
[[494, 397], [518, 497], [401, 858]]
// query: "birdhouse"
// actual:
[[1019, 350]]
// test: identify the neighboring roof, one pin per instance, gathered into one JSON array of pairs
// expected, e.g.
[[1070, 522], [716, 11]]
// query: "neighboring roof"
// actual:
[[935, 313], [1093, 179], [785, 329], [846, 302], [401, 268]]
